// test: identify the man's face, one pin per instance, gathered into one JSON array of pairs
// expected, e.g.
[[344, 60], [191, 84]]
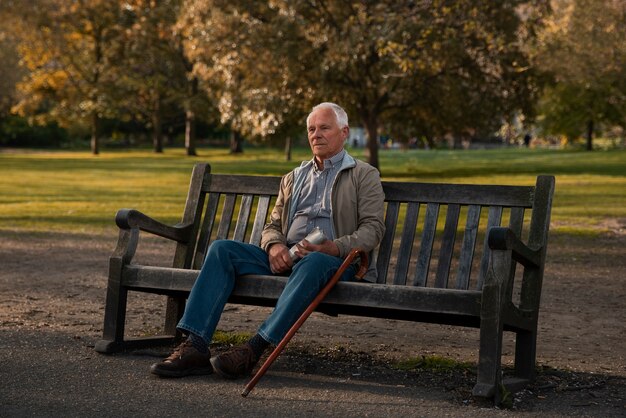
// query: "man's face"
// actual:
[[326, 138]]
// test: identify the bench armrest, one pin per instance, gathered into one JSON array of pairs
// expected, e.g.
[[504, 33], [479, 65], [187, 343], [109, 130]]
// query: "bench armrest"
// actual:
[[131, 218], [501, 238]]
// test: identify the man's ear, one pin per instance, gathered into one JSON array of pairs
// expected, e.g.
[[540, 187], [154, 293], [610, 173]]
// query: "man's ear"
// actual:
[[346, 132]]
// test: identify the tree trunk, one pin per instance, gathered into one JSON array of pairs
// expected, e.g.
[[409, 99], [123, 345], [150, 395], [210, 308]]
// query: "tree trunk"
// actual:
[[590, 135], [288, 148], [190, 132], [236, 143], [371, 126], [157, 129], [190, 119], [95, 87], [95, 142]]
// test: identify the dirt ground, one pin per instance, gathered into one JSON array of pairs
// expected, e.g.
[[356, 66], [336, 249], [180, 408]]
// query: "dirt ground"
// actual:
[[56, 283]]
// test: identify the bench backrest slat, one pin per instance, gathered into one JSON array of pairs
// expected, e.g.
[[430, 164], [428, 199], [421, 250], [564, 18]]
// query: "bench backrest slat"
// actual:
[[494, 219], [386, 245], [206, 229], [416, 237], [263, 208], [244, 217], [467, 247], [463, 194], [227, 215], [446, 250], [250, 194], [406, 243], [516, 223], [240, 184], [426, 247]]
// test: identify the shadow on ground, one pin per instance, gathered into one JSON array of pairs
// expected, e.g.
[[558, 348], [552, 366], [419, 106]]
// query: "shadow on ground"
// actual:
[[51, 373]]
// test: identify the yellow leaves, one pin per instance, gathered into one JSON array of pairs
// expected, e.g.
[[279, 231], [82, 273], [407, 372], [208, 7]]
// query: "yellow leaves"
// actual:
[[41, 81], [33, 57], [75, 37]]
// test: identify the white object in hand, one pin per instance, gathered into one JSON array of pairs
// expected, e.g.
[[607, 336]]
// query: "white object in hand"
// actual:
[[316, 236]]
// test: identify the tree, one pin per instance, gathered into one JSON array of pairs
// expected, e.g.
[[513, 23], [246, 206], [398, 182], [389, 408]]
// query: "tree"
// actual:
[[582, 50], [454, 66], [10, 70], [68, 49], [158, 75], [258, 93]]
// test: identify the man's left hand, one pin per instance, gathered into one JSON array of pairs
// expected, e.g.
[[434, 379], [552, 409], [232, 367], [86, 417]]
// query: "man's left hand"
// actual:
[[327, 247]]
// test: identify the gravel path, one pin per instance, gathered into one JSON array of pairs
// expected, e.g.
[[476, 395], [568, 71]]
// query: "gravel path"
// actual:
[[52, 290]]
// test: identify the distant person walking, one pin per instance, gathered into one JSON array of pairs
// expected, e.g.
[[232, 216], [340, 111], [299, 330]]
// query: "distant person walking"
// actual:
[[527, 139]]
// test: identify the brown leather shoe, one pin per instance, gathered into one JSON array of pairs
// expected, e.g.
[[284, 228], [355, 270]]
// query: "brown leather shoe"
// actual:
[[184, 361], [236, 362]]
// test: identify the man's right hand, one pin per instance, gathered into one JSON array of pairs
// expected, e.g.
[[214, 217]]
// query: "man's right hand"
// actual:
[[280, 260]]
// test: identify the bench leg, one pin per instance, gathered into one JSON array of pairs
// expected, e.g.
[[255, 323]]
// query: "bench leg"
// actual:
[[116, 304], [114, 323], [525, 355], [114, 311], [174, 311], [489, 377]]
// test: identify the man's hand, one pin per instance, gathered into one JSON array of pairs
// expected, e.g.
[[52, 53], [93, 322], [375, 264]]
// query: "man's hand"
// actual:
[[280, 260], [327, 247]]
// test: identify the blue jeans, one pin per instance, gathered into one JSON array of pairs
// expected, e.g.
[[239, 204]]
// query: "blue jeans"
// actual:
[[226, 260]]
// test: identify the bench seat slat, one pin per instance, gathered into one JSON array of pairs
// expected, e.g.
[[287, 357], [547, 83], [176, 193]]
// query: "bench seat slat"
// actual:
[[369, 295]]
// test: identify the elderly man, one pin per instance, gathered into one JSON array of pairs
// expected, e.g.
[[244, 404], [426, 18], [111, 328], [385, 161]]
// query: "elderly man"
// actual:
[[334, 192]]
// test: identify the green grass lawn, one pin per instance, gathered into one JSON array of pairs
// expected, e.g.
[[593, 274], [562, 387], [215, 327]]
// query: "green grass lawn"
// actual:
[[78, 192]]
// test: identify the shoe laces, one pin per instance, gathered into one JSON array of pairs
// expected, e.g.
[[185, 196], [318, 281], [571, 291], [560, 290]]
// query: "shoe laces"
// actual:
[[180, 351], [242, 356]]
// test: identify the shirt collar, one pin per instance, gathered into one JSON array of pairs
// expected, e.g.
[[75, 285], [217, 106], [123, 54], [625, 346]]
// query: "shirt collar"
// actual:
[[331, 162]]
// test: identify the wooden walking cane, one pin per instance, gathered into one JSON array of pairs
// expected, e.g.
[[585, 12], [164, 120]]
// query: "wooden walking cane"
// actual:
[[294, 328]]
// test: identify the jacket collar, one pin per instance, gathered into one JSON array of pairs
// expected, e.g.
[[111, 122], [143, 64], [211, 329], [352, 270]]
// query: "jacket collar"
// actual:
[[346, 162]]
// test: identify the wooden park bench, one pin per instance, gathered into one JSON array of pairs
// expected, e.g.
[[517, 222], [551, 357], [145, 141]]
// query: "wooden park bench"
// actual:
[[425, 274]]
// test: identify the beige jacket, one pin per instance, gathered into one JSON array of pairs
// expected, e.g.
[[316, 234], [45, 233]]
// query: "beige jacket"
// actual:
[[357, 207]]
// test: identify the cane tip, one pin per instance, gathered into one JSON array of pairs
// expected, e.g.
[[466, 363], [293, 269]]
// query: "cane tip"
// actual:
[[245, 392]]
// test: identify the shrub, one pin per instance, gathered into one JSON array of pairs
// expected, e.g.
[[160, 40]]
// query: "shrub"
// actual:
[[15, 131]]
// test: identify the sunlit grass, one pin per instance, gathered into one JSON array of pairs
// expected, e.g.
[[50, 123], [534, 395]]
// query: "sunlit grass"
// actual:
[[79, 192], [230, 338]]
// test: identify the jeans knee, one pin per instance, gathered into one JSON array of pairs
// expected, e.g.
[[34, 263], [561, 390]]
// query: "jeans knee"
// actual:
[[315, 266], [218, 254], [221, 247], [316, 258]]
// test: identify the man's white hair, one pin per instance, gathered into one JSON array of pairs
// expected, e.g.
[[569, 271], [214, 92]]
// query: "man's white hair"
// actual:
[[340, 114]]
